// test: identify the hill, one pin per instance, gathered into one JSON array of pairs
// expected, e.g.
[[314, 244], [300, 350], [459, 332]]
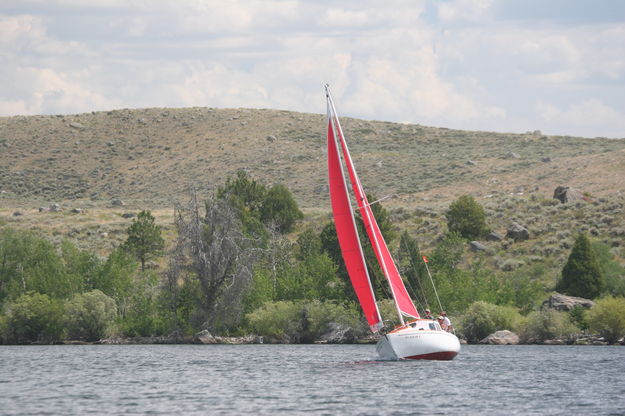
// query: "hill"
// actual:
[[147, 157], [151, 157]]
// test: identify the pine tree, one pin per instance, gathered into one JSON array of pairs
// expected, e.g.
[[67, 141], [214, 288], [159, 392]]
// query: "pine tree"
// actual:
[[144, 237], [581, 275]]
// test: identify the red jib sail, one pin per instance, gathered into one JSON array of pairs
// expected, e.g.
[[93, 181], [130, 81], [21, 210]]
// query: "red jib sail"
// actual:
[[404, 304], [348, 236]]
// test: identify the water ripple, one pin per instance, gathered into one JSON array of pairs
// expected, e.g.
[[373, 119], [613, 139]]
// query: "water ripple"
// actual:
[[308, 379]]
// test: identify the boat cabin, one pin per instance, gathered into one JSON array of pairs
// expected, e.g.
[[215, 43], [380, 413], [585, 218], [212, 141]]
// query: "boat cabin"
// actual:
[[424, 325]]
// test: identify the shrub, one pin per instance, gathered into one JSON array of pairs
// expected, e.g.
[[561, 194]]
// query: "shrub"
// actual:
[[280, 208], [467, 217], [278, 321], [90, 315], [607, 317], [579, 316], [303, 321], [33, 317], [547, 324], [482, 319], [321, 316]]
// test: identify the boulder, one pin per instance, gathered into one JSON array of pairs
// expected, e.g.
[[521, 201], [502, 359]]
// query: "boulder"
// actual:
[[566, 303], [493, 236], [517, 232], [477, 246], [205, 337], [567, 194], [503, 337], [117, 203], [338, 334]]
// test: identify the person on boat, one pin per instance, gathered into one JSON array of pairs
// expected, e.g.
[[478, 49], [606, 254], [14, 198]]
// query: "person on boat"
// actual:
[[428, 315], [448, 326], [441, 322]]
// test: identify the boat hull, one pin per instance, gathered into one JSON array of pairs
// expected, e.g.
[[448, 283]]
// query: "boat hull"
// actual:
[[415, 344]]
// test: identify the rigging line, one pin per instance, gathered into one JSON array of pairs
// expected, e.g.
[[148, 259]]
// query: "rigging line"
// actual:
[[379, 200], [416, 268], [382, 282], [420, 297], [435, 292], [408, 285]]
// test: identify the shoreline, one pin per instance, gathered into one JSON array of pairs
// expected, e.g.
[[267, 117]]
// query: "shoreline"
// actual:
[[203, 339]]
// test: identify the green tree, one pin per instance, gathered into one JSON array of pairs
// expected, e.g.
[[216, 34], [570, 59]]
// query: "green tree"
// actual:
[[613, 272], [607, 317], [280, 209], [246, 190], [144, 238], [90, 315], [581, 275], [247, 197], [30, 263], [146, 312], [313, 278], [82, 267], [308, 244], [115, 278], [467, 217], [33, 317]]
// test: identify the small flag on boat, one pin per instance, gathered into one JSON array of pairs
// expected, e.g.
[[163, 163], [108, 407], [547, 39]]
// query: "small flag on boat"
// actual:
[[425, 259]]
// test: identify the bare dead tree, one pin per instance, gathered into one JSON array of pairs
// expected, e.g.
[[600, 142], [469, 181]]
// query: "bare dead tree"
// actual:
[[219, 255], [278, 252]]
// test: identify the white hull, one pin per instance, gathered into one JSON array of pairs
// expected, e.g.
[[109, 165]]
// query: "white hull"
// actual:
[[418, 344]]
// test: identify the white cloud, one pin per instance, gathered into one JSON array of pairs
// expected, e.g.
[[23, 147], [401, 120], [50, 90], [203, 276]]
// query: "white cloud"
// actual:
[[452, 63], [464, 10], [584, 116]]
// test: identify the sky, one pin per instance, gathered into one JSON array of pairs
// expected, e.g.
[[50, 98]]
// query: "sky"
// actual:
[[557, 66]]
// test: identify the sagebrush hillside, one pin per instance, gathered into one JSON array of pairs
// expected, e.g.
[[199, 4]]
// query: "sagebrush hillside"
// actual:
[[149, 158]]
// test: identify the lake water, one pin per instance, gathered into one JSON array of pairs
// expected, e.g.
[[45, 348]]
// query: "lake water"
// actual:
[[308, 379]]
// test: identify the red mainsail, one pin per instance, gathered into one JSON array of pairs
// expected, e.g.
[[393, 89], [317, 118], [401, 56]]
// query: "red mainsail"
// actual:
[[348, 236], [404, 304]]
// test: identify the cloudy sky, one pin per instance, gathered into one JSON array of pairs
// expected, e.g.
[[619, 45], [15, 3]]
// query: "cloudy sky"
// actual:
[[501, 65]]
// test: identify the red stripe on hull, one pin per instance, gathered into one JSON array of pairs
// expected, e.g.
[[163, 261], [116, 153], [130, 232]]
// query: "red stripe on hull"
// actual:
[[442, 356]]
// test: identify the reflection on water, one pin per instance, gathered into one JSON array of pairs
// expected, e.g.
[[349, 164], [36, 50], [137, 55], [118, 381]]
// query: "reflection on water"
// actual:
[[317, 379]]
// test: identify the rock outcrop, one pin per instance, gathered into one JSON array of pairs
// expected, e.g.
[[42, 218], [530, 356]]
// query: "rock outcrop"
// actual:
[[338, 334], [567, 194], [503, 337], [517, 232], [562, 302], [477, 246]]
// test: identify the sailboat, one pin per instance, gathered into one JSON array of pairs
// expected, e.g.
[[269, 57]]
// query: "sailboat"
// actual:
[[415, 338]]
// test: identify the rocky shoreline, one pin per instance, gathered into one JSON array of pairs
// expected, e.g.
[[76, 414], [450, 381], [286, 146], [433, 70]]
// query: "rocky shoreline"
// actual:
[[503, 337]]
